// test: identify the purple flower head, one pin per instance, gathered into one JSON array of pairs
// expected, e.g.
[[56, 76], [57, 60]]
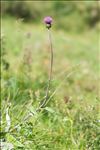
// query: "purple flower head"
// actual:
[[48, 21]]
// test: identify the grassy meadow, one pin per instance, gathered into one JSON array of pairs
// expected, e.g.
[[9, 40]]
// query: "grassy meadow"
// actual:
[[71, 118]]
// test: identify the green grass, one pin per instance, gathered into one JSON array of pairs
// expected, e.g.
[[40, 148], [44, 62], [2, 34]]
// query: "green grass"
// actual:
[[70, 121]]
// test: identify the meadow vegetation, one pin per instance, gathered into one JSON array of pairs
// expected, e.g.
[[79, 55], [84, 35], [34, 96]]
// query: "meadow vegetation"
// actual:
[[71, 118]]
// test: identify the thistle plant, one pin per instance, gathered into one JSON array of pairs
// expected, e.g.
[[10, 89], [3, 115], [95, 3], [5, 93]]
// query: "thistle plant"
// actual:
[[48, 21]]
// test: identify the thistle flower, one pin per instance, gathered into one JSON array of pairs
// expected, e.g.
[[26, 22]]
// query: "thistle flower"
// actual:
[[48, 21]]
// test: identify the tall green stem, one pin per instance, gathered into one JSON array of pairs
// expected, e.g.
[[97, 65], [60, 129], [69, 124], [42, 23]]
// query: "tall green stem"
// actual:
[[50, 72]]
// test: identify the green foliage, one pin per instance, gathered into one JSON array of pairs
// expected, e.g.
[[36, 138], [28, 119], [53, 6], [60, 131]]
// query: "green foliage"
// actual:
[[71, 118], [69, 15]]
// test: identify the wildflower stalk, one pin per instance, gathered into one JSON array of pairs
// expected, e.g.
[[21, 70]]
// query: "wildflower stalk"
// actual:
[[50, 72], [48, 22]]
